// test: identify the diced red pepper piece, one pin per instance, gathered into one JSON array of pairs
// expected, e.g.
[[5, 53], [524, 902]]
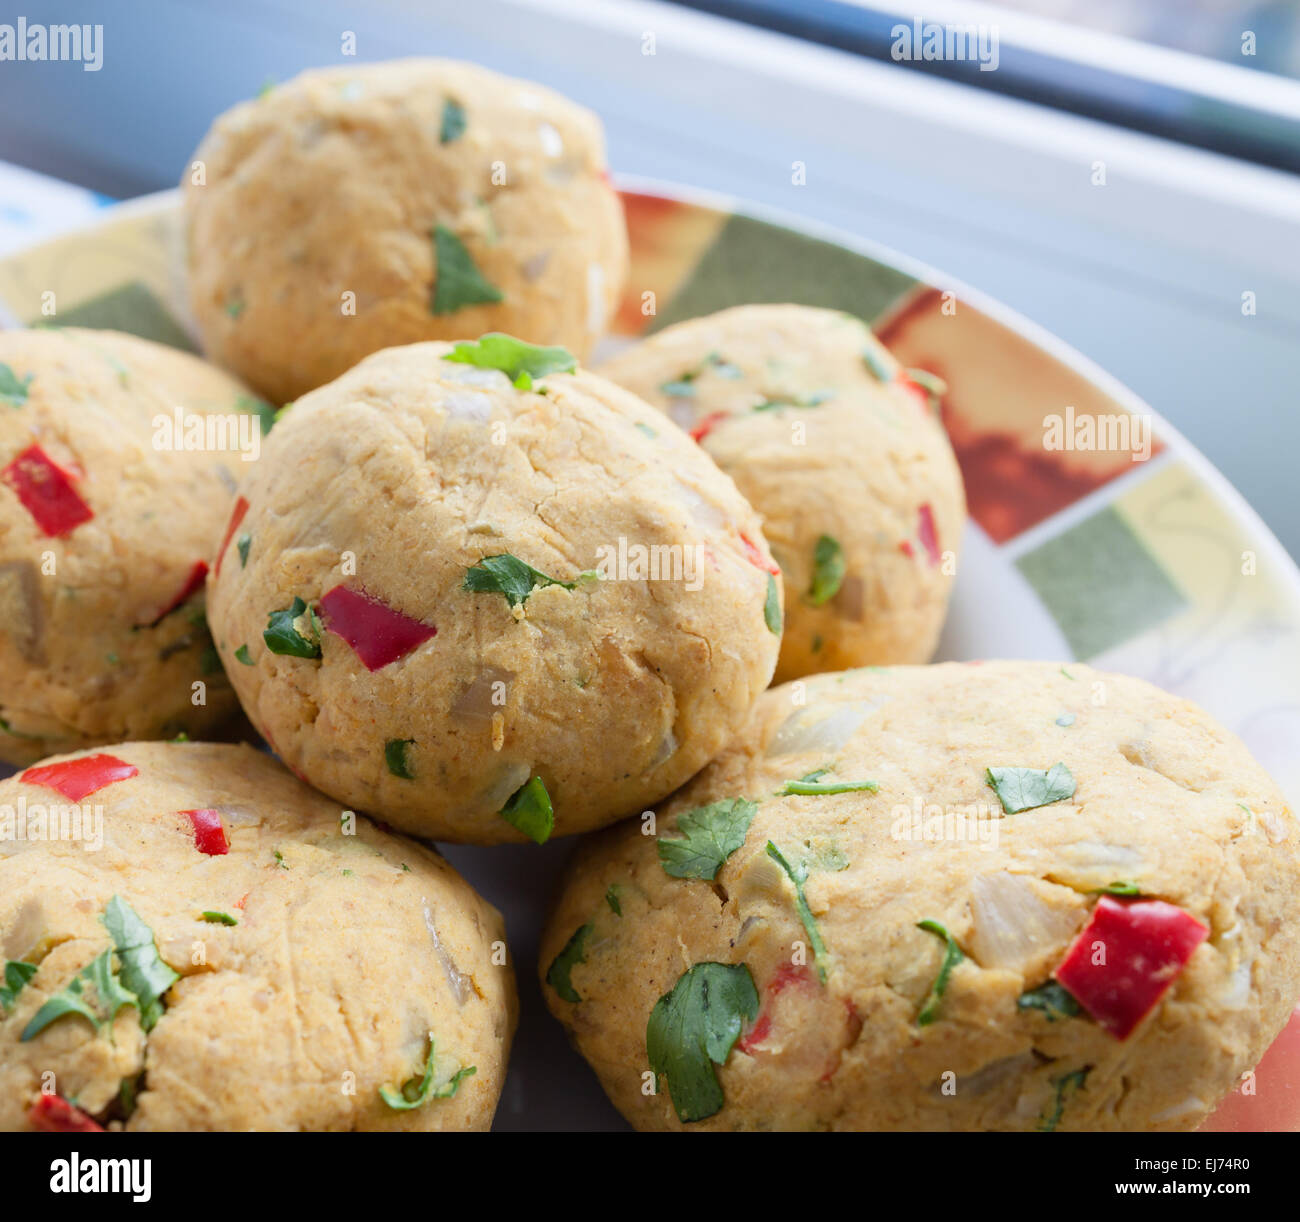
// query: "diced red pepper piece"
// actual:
[[1142, 946], [54, 1114], [47, 492], [209, 835], [786, 975], [193, 584], [79, 778], [926, 532], [236, 516], [755, 557], [705, 426], [378, 634], [915, 389], [906, 548]]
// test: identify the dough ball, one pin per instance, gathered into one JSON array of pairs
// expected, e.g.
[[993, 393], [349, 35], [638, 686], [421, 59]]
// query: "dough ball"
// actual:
[[355, 208], [1065, 900], [472, 609], [839, 451], [241, 955], [107, 522]]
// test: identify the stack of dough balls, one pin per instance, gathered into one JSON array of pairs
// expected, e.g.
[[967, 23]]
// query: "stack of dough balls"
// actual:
[[356, 208], [840, 452], [488, 597], [241, 955], [107, 522]]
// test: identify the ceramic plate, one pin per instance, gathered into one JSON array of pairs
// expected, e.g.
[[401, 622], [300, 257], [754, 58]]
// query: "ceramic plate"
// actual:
[[1137, 558]]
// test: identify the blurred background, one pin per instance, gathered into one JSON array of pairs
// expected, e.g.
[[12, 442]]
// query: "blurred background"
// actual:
[[985, 167]]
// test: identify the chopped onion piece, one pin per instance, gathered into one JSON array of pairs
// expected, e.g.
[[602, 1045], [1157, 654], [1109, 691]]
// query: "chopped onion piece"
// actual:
[[1013, 924], [820, 727]]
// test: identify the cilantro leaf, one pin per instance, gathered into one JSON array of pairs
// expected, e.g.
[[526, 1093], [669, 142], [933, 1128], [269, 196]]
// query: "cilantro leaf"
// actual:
[[416, 1092], [693, 1027], [1052, 999], [828, 571], [1065, 1085], [816, 399], [285, 633], [453, 122], [709, 835], [107, 997], [1026, 788], [513, 357], [798, 875], [611, 898], [772, 606], [218, 918], [13, 389], [529, 809], [459, 282], [243, 543], [508, 575], [951, 957], [17, 974], [241, 655], [574, 952], [395, 756], [141, 967]]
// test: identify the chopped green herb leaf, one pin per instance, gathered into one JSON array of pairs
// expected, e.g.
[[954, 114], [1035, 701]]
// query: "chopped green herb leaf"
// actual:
[[13, 389], [708, 835], [828, 571], [574, 952], [453, 122], [935, 388], [816, 399], [798, 876], [279, 859], [459, 282], [1118, 888], [876, 365], [241, 655], [295, 632], [1067, 674], [17, 974], [1052, 999], [234, 307], [107, 997], [219, 918], [811, 788], [141, 967], [646, 429], [508, 575], [1065, 1085], [694, 1027], [513, 357], [772, 606], [265, 413], [529, 810], [242, 544], [415, 1092], [395, 756], [681, 387], [951, 957], [1027, 788], [611, 898]]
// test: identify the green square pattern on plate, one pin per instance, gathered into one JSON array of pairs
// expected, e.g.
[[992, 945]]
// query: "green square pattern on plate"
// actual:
[[1100, 583], [131, 308]]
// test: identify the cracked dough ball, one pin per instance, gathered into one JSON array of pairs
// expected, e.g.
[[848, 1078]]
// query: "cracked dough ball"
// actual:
[[104, 540], [853, 475], [1159, 798], [643, 632], [346, 955], [355, 208]]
